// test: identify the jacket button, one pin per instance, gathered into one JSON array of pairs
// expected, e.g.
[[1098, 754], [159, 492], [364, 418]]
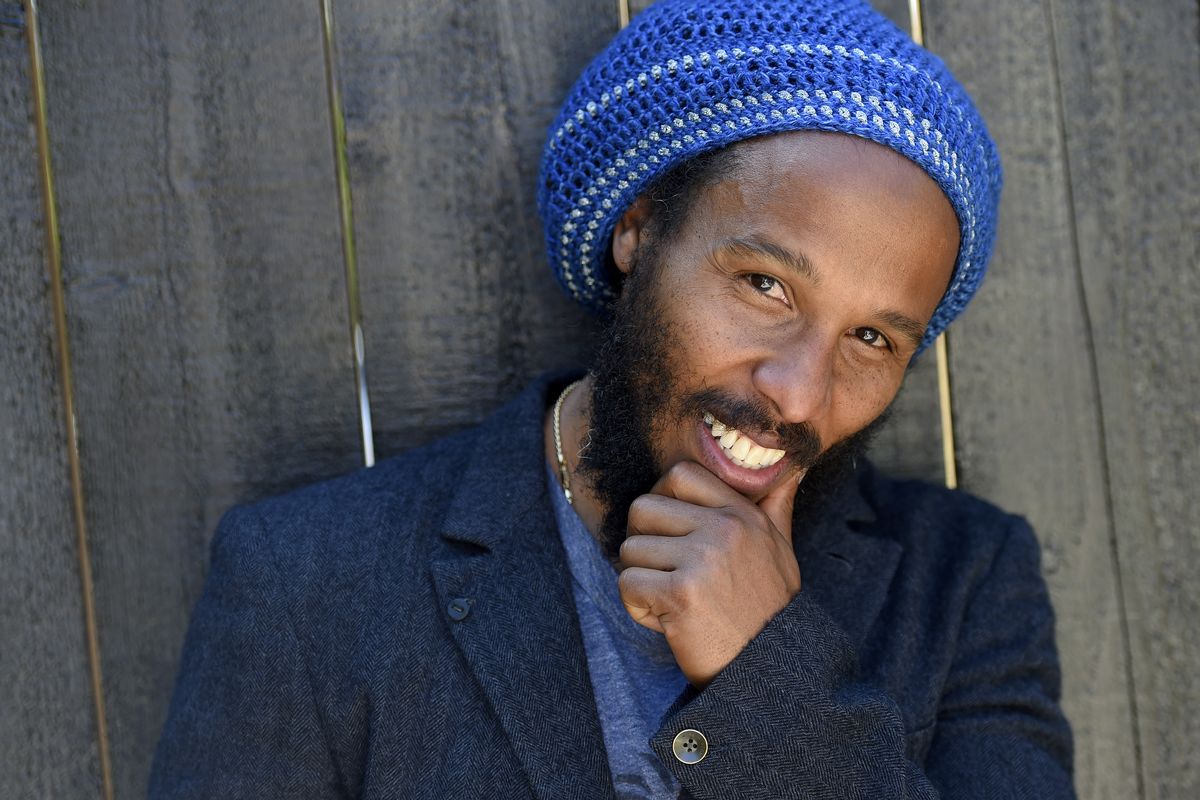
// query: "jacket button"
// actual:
[[690, 746], [459, 608]]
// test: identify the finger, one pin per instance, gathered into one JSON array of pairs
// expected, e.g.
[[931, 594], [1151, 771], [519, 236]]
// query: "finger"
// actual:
[[656, 515], [642, 593], [654, 552], [779, 504], [695, 484]]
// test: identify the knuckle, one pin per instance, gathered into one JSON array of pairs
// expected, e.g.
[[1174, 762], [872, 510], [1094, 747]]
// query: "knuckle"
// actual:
[[682, 589], [679, 590], [708, 556], [623, 581], [627, 549], [640, 505], [627, 584], [730, 523], [681, 471]]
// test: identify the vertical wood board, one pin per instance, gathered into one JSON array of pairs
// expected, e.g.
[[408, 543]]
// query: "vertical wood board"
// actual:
[[1130, 76], [206, 301], [446, 112], [447, 107], [47, 723], [1027, 424]]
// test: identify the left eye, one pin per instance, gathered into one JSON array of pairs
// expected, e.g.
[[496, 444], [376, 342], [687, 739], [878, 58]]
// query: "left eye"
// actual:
[[767, 285], [871, 337]]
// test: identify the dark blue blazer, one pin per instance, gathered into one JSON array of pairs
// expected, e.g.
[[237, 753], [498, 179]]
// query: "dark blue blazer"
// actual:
[[408, 631]]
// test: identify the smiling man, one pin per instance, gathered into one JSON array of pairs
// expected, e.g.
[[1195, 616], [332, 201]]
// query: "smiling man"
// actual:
[[675, 575]]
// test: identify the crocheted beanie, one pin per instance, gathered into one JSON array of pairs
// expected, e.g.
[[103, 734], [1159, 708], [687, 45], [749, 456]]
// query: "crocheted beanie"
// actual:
[[689, 76]]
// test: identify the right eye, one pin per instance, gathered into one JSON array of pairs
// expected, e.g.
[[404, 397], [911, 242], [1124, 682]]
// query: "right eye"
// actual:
[[768, 285]]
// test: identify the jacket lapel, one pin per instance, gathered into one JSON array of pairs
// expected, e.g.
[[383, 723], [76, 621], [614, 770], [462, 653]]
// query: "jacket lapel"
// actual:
[[503, 582], [847, 571]]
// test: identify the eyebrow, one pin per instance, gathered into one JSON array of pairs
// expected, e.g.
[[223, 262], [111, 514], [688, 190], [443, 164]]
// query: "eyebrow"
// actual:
[[754, 246], [908, 327]]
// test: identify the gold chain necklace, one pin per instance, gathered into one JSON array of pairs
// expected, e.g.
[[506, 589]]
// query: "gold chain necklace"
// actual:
[[563, 473]]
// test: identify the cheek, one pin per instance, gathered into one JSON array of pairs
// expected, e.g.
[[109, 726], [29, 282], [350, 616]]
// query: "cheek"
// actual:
[[708, 338], [861, 394]]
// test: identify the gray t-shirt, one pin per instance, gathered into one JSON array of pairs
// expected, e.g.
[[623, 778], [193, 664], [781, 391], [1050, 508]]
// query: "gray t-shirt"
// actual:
[[634, 675]]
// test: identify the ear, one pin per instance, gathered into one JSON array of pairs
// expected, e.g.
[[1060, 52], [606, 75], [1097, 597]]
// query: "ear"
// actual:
[[629, 233]]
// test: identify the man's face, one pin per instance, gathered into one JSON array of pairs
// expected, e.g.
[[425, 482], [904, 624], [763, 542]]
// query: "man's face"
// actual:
[[785, 309]]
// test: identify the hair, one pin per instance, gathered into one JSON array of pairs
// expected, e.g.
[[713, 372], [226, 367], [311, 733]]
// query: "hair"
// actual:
[[674, 194]]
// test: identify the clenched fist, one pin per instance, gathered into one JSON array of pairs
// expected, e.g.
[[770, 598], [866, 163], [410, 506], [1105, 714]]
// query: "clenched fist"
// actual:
[[706, 567]]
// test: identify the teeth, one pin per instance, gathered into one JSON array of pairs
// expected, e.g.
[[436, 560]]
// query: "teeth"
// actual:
[[741, 449]]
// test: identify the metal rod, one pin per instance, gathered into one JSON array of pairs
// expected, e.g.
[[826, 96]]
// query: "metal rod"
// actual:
[[916, 19], [623, 12], [58, 300], [945, 398], [945, 405], [337, 124]]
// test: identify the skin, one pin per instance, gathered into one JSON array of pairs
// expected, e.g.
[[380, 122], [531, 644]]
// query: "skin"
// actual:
[[805, 280]]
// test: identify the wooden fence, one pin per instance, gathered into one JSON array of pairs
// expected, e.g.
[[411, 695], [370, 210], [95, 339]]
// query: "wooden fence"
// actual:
[[205, 322]]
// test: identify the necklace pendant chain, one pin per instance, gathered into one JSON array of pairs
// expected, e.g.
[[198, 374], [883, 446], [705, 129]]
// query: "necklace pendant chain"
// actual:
[[563, 473]]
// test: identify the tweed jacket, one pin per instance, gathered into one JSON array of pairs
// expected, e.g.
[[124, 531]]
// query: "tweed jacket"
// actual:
[[408, 631]]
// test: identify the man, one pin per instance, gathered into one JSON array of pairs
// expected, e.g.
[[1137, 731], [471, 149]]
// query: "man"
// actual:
[[675, 575]]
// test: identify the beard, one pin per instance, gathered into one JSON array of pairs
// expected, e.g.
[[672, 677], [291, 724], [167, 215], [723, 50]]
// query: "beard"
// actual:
[[638, 394]]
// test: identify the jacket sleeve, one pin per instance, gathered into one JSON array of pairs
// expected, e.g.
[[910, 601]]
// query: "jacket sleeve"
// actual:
[[242, 722], [789, 717]]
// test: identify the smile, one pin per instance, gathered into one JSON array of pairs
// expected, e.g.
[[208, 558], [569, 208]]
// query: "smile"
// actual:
[[740, 448]]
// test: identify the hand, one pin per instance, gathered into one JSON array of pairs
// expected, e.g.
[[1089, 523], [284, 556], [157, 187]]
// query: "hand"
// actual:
[[707, 567]]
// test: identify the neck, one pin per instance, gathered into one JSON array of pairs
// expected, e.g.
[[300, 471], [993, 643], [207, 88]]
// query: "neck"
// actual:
[[573, 425]]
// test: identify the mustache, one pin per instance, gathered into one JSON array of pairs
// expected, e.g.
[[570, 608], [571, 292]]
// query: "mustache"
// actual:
[[799, 439]]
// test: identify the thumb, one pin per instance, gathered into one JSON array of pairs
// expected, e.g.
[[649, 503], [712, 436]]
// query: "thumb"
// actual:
[[779, 502]]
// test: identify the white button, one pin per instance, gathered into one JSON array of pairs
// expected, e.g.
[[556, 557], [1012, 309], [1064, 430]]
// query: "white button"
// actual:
[[690, 746]]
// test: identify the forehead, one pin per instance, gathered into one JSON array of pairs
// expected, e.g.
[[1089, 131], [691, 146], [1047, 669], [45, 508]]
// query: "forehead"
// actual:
[[852, 207], [836, 168]]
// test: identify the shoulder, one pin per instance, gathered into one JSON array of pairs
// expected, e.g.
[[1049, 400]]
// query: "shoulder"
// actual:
[[378, 527], [948, 529], [338, 531]]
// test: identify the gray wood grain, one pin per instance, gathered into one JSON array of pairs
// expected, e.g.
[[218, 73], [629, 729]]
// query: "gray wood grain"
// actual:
[[206, 300], [1027, 421], [895, 10], [446, 112], [47, 724], [207, 311], [1130, 78], [447, 107], [911, 444]]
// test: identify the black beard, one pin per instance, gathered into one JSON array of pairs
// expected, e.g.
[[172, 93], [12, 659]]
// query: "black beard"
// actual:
[[637, 395]]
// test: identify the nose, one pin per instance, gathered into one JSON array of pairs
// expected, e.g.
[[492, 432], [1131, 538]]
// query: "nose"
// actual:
[[797, 377]]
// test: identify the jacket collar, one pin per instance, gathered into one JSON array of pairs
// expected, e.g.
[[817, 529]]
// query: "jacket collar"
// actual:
[[503, 560], [503, 556]]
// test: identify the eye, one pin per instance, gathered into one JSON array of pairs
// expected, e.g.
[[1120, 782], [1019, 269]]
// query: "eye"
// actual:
[[871, 337], [769, 286]]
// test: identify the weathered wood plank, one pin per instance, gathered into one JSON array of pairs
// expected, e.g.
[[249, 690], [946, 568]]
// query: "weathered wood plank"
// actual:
[[206, 300], [896, 10], [447, 107], [1028, 426], [1130, 76], [446, 111], [47, 725]]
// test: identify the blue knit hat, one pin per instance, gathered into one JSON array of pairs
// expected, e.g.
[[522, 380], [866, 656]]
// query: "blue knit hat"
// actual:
[[689, 76]]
